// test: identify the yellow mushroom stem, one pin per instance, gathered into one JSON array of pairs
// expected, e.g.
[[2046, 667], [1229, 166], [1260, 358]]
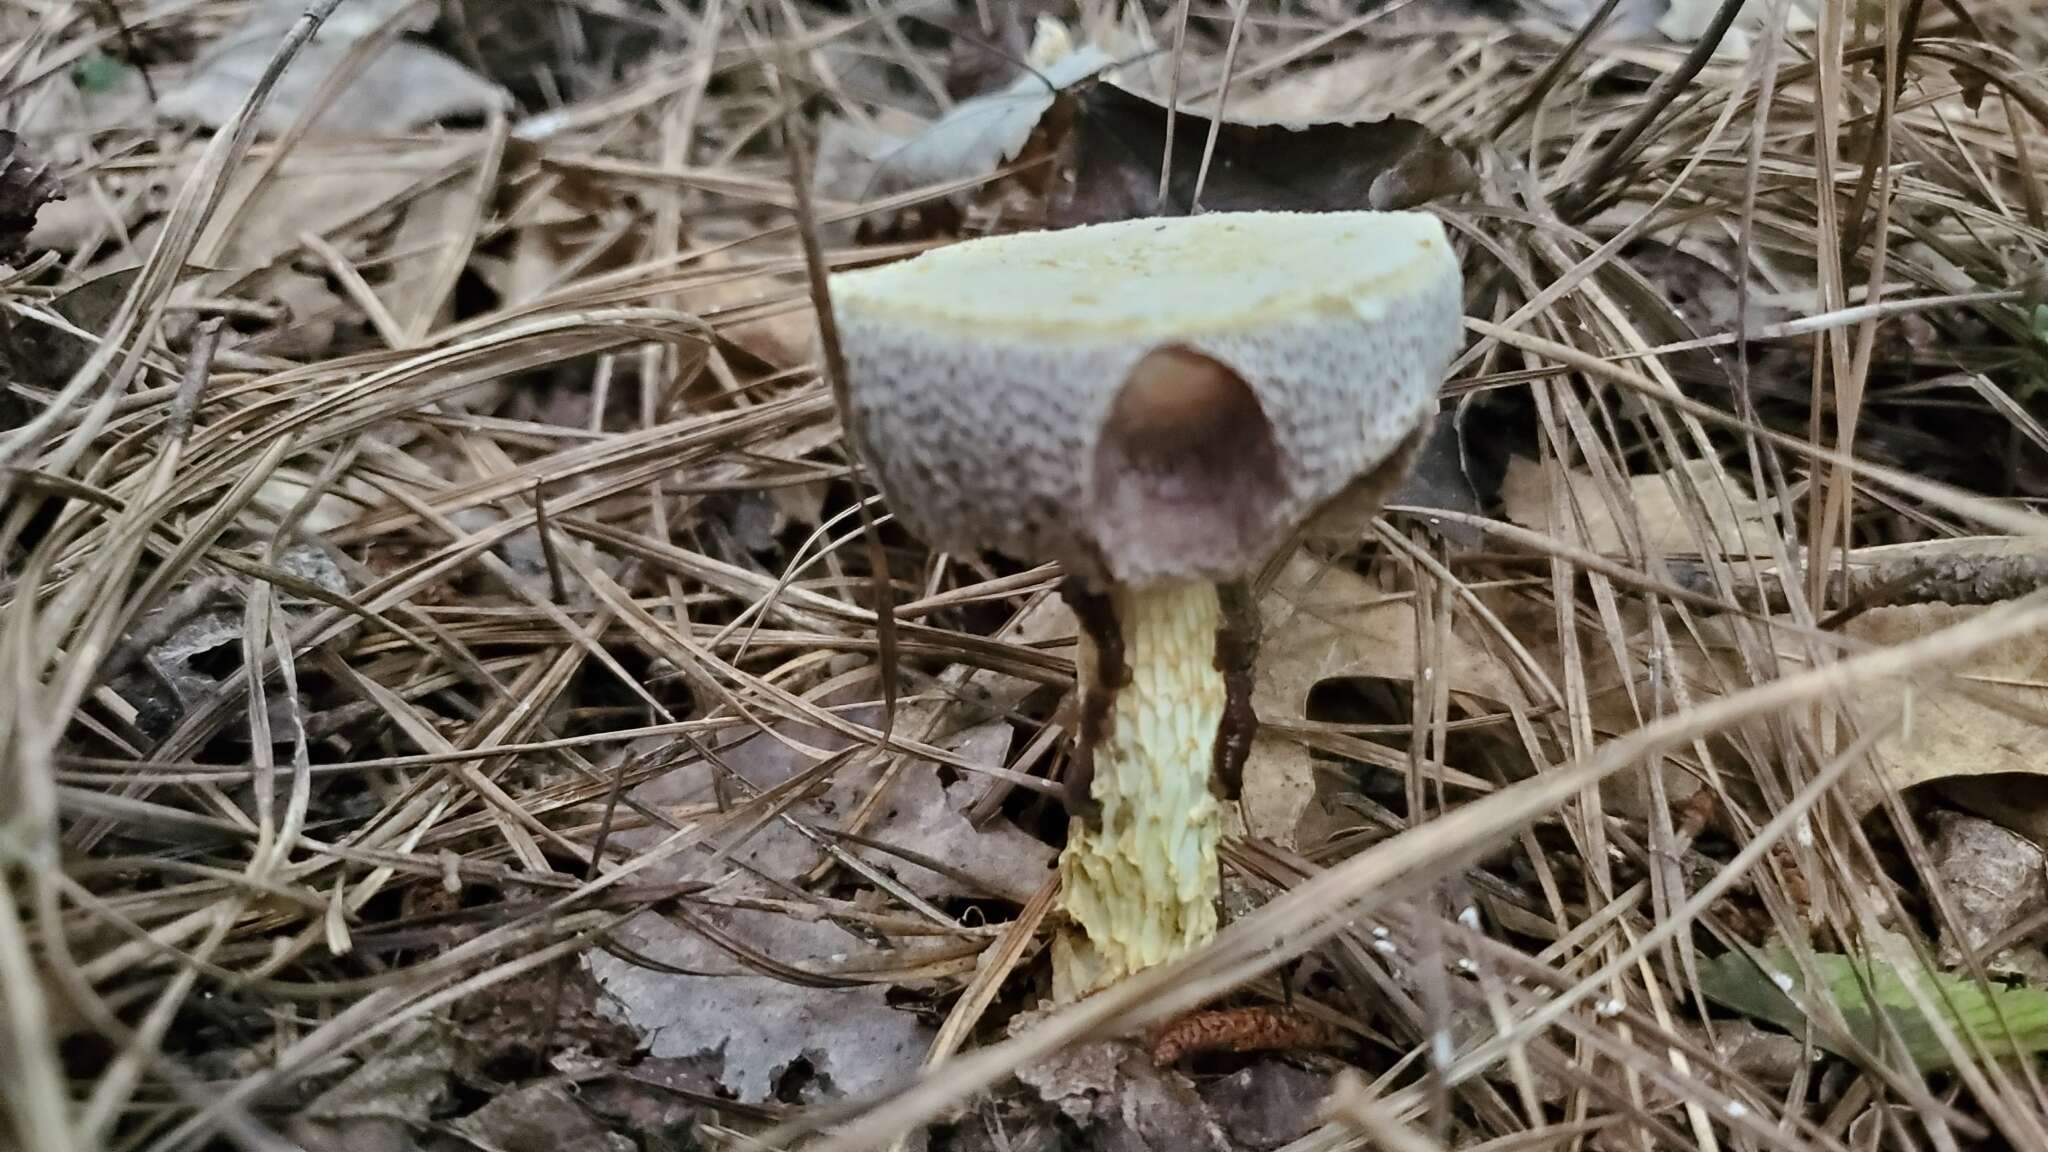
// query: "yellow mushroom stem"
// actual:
[[1139, 880]]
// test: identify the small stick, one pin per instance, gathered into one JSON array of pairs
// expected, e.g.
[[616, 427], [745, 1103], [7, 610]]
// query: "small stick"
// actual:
[[1575, 205], [547, 544], [835, 377]]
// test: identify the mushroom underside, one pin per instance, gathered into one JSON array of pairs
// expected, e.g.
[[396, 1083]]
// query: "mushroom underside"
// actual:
[[1186, 471]]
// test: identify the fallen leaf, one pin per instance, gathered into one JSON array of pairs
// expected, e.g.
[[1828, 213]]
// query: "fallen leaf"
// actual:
[[981, 57], [312, 312], [1323, 623], [978, 136], [1439, 478], [322, 189], [1107, 145], [2018, 803], [918, 812], [1741, 525], [25, 186], [405, 86], [1359, 84], [1268, 1104], [850, 1041], [660, 1102], [1735, 981], [782, 337], [433, 222], [858, 163], [1991, 729], [45, 355], [930, 817]]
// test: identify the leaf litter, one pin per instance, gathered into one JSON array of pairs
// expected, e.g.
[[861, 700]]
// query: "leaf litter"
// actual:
[[566, 729]]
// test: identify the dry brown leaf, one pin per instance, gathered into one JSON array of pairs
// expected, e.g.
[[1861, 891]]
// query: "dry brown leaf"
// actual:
[[1994, 729], [1322, 623], [312, 311], [433, 221], [1361, 83], [850, 1037], [388, 1101], [315, 189], [783, 338], [1741, 525], [853, 1040]]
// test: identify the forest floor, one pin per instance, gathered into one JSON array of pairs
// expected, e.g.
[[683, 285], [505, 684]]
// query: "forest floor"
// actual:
[[441, 695]]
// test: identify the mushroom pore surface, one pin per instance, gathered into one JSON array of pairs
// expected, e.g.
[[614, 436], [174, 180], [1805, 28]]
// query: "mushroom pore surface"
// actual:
[[985, 380]]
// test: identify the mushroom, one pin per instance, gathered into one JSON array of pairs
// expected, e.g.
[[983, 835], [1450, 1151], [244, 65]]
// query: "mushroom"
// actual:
[[1160, 405]]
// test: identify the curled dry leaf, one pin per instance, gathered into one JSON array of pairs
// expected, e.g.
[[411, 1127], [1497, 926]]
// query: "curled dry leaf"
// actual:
[[25, 186], [1351, 87], [974, 138], [1995, 881], [849, 1038], [979, 135], [1107, 144]]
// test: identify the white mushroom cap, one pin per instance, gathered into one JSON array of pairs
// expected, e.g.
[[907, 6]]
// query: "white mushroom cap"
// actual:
[[1148, 400]]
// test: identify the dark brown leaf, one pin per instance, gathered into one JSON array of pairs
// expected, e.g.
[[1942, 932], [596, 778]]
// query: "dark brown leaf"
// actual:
[[1107, 143], [25, 186]]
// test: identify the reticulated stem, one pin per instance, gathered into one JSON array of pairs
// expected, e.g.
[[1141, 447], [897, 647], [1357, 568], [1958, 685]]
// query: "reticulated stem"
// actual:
[[1139, 880]]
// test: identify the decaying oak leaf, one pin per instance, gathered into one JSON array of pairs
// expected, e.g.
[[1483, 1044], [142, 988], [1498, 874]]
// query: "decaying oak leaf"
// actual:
[[1323, 623], [25, 186], [1107, 144]]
